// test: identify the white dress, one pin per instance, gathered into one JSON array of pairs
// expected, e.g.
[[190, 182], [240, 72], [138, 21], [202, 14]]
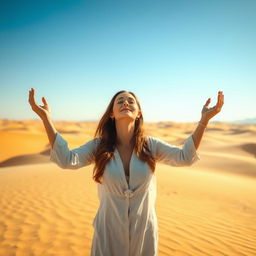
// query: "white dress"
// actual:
[[126, 221]]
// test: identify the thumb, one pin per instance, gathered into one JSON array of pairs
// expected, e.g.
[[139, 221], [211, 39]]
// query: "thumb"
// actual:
[[44, 100], [207, 102]]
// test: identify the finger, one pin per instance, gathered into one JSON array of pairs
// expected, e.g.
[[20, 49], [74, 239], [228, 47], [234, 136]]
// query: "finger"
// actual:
[[32, 90], [207, 102], [222, 100], [219, 102], [218, 107], [219, 96], [32, 97], [44, 101]]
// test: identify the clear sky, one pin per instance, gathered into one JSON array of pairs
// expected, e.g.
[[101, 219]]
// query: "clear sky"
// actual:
[[172, 54]]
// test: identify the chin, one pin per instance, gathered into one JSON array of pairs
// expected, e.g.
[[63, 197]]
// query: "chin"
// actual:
[[127, 117]]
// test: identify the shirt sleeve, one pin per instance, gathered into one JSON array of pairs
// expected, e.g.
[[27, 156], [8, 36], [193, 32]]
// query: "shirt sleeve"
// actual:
[[169, 154], [75, 158]]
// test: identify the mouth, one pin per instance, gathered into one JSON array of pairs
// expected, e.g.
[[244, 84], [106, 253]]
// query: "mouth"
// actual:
[[125, 109]]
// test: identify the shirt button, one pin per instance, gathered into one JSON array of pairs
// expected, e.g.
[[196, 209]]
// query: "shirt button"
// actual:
[[128, 193]]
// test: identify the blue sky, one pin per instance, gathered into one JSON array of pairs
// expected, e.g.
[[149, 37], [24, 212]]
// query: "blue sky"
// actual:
[[172, 54]]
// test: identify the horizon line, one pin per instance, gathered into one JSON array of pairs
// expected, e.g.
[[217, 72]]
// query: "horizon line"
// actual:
[[246, 120]]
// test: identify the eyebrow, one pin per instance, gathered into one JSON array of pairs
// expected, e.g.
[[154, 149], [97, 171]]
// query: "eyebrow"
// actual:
[[123, 97]]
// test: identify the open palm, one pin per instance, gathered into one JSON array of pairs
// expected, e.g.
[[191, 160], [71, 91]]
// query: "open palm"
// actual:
[[41, 110], [209, 112]]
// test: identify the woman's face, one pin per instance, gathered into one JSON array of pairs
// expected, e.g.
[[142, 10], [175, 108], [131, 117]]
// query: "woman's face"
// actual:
[[125, 107]]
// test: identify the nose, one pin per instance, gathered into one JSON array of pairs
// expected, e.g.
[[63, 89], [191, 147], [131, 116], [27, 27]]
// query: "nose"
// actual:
[[125, 103]]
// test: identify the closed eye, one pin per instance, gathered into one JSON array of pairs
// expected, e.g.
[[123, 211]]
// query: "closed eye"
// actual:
[[121, 102]]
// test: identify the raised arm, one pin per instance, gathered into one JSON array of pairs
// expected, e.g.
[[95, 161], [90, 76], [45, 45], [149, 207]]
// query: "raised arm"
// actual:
[[169, 154], [207, 114], [75, 158], [43, 111], [166, 153], [60, 152]]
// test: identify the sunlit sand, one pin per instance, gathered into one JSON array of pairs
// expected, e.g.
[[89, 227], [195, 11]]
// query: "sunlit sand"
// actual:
[[205, 209]]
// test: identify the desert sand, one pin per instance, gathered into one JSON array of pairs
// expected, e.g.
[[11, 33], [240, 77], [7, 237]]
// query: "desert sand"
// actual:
[[205, 209]]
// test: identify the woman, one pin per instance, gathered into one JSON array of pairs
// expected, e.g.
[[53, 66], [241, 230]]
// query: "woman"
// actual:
[[126, 222]]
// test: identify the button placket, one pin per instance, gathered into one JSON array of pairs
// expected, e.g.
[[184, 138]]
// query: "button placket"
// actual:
[[128, 193]]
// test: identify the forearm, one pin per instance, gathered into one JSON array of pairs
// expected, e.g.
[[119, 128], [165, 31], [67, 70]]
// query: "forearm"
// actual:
[[199, 131], [50, 129]]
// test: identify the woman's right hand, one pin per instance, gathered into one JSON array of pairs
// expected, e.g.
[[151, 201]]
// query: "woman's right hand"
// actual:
[[43, 111]]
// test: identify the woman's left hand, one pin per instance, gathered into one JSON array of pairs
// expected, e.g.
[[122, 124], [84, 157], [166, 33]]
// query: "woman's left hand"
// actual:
[[208, 113]]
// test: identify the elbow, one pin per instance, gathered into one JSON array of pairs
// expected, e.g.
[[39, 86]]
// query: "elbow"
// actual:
[[61, 165], [69, 162], [70, 166], [60, 162], [187, 159], [189, 163], [64, 167], [191, 160], [184, 163]]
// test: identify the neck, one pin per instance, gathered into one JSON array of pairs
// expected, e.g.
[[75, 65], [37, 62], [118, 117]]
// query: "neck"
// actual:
[[124, 131]]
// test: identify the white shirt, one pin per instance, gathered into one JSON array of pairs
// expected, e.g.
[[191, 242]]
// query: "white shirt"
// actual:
[[126, 222]]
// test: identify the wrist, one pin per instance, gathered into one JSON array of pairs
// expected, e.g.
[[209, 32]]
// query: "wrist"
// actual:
[[203, 121], [46, 118]]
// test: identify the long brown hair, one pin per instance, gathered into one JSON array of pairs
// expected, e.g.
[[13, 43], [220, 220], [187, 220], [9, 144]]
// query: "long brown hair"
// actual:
[[106, 131]]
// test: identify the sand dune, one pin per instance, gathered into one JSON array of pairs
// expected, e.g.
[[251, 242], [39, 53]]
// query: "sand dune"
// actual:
[[206, 209], [42, 157], [250, 148]]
